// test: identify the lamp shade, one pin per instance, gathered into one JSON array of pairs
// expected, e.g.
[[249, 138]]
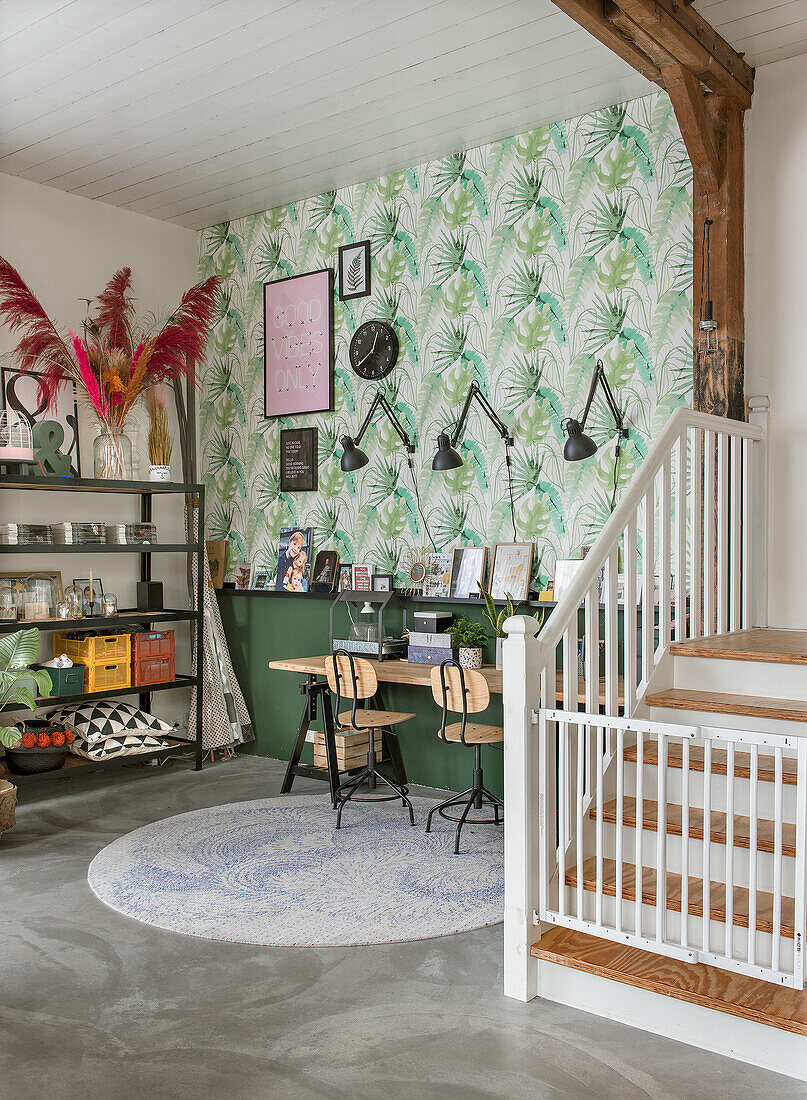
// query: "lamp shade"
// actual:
[[353, 457], [446, 457], [578, 445]]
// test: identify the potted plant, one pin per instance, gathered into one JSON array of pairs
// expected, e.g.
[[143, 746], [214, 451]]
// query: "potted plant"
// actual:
[[470, 638], [24, 747], [497, 621], [159, 439]]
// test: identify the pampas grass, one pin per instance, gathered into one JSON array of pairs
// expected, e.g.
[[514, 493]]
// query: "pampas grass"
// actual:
[[159, 440]]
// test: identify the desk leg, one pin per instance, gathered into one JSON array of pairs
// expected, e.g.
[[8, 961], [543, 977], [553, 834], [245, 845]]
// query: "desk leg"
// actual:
[[330, 745], [297, 751]]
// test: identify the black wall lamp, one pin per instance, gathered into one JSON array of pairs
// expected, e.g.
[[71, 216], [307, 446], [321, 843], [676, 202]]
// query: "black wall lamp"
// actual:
[[578, 445], [353, 457], [447, 457]]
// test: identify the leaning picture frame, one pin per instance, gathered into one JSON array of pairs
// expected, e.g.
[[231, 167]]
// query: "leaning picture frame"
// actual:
[[467, 572], [21, 395], [510, 572]]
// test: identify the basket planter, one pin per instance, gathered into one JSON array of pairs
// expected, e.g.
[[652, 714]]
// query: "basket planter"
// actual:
[[23, 761], [159, 473], [470, 658], [8, 800]]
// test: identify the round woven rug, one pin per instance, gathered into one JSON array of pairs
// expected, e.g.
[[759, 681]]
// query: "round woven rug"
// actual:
[[276, 872]]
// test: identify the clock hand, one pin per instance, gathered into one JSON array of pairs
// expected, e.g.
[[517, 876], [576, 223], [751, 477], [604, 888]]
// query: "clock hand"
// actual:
[[370, 352]]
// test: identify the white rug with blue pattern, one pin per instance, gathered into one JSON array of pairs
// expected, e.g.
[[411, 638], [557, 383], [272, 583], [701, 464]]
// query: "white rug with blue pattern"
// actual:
[[277, 872]]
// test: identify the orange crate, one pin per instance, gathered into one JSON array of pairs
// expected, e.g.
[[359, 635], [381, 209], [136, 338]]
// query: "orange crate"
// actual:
[[152, 643], [108, 675], [94, 649], [153, 670]]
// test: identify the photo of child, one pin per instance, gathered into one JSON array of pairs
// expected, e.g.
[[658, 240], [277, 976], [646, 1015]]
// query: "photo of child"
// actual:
[[294, 557]]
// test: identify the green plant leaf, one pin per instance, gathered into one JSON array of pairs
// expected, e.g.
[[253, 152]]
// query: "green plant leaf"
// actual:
[[20, 649]]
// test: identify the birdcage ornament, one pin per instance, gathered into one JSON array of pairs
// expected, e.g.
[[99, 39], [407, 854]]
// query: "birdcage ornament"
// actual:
[[16, 442]]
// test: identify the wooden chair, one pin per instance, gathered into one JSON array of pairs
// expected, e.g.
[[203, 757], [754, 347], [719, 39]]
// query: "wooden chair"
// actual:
[[465, 692], [355, 678]]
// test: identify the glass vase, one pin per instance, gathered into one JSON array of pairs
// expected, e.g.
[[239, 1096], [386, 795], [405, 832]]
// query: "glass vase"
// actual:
[[112, 456]]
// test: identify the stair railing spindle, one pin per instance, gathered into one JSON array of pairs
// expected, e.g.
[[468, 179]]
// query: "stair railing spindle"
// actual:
[[637, 859], [706, 885], [709, 533], [696, 627], [753, 853], [777, 857], [681, 538], [729, 850], [661, 841], [735, 542], [723, 489], [685, 843]]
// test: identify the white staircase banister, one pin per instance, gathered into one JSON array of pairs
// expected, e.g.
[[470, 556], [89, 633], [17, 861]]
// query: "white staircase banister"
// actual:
[[587, 574]]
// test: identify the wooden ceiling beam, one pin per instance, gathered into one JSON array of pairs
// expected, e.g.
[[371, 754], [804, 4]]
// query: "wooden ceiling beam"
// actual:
[[590, 15], [695, 125], [688, 39]]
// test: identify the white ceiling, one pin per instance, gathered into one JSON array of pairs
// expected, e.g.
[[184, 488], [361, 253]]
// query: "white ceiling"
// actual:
[[196, 111]]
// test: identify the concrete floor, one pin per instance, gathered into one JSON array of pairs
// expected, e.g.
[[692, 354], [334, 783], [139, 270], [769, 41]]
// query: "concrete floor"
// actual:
[[94, 1005]]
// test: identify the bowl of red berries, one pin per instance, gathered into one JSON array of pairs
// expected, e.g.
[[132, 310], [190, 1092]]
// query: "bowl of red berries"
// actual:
[[42, 747]]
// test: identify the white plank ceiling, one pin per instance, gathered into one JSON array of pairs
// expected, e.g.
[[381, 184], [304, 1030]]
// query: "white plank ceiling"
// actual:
[[196, 111]]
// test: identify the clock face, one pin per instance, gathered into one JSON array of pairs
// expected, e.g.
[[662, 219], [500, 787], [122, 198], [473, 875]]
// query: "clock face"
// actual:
[[373, 350]]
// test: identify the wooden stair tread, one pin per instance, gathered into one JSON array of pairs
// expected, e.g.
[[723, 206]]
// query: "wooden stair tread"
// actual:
[[771, 645], [717, 901], [718, 702], [709, 986], [742, 824], [742, 762]]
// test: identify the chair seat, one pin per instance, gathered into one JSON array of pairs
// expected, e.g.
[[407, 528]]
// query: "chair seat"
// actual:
[[373, 719], [475, 734]]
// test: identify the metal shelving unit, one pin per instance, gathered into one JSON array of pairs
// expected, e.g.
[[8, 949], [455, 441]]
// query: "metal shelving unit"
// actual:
[[127, 618]]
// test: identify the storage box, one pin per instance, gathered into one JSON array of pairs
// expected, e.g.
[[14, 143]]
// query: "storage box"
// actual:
[[92, 648], [152, 643], [351, 749], [430, 641], [66, 681], [108, 675], [432, 622], [430, 655], [153, 670]]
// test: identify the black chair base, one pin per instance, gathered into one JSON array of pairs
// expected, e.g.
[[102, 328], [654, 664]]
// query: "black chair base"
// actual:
[[475, 797], [371, 775]]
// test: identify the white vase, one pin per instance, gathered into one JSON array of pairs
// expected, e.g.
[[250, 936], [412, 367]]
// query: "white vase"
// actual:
[[470, 658], [499, 653], [159, 473]]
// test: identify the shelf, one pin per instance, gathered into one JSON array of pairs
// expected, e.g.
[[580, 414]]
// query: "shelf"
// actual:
[[123, 618], [104, 548], [95, 485], [142, 689], [76, 765], [432, 600]]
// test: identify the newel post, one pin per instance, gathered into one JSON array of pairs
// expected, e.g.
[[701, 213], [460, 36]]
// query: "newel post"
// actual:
[[759, 414], [521, 687]]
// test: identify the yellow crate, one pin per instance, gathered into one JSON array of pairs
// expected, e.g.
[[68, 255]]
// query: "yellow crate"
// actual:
[[92, 650], [108, 675]]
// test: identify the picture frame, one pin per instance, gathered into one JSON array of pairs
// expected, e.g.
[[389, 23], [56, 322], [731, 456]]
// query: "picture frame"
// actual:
[[298, 344], [565, 572], [294, 559], [325, 573], [18, 578], [383, 582], [437, 582], [354, 270], [299, 460], [21, 394], [243, 576], [510, 572], [468, 565], [261, 580], [345, 581], [363, 578], [217, 560]]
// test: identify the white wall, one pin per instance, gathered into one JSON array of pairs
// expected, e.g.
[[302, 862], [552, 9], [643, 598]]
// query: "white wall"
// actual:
[[776, 315], [66, 248]]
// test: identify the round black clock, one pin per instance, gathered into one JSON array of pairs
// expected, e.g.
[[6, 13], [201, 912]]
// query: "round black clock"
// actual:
[[373, 350]]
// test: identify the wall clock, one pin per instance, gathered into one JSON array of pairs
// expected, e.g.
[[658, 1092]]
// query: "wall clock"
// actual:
[[373, 350]]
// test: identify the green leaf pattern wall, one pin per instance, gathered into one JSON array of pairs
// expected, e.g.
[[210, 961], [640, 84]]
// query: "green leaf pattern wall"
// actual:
[[517, 264]]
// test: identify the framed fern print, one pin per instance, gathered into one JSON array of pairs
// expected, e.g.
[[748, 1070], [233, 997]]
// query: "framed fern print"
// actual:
[[354, 271]]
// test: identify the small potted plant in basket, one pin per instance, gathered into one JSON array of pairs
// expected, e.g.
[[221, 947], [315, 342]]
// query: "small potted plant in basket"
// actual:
[[36, 747], [470, 638]]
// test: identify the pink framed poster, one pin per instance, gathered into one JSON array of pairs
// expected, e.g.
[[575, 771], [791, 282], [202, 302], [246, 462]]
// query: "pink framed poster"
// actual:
[[298, 344]]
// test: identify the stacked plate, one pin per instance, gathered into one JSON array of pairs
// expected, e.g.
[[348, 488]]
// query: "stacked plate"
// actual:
[[131, 534], [78, 534], [18, 534]]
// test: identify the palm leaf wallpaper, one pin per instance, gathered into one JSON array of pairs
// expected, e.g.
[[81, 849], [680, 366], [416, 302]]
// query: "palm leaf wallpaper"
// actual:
[[518, 264]]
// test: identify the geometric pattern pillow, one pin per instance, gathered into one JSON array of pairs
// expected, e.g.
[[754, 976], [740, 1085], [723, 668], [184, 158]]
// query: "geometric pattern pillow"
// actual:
[[118, 745], [94, 722]]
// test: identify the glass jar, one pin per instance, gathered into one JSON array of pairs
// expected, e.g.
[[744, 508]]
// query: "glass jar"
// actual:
[[39, 599], [8, 602], [109, 605], [73, 599], [112, 456]]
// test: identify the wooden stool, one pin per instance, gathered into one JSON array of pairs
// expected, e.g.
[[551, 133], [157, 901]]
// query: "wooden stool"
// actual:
[[356, 679], [465, 692]]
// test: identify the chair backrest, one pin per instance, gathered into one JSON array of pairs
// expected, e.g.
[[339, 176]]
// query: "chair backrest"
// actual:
[[349, 676], [448, 682]]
